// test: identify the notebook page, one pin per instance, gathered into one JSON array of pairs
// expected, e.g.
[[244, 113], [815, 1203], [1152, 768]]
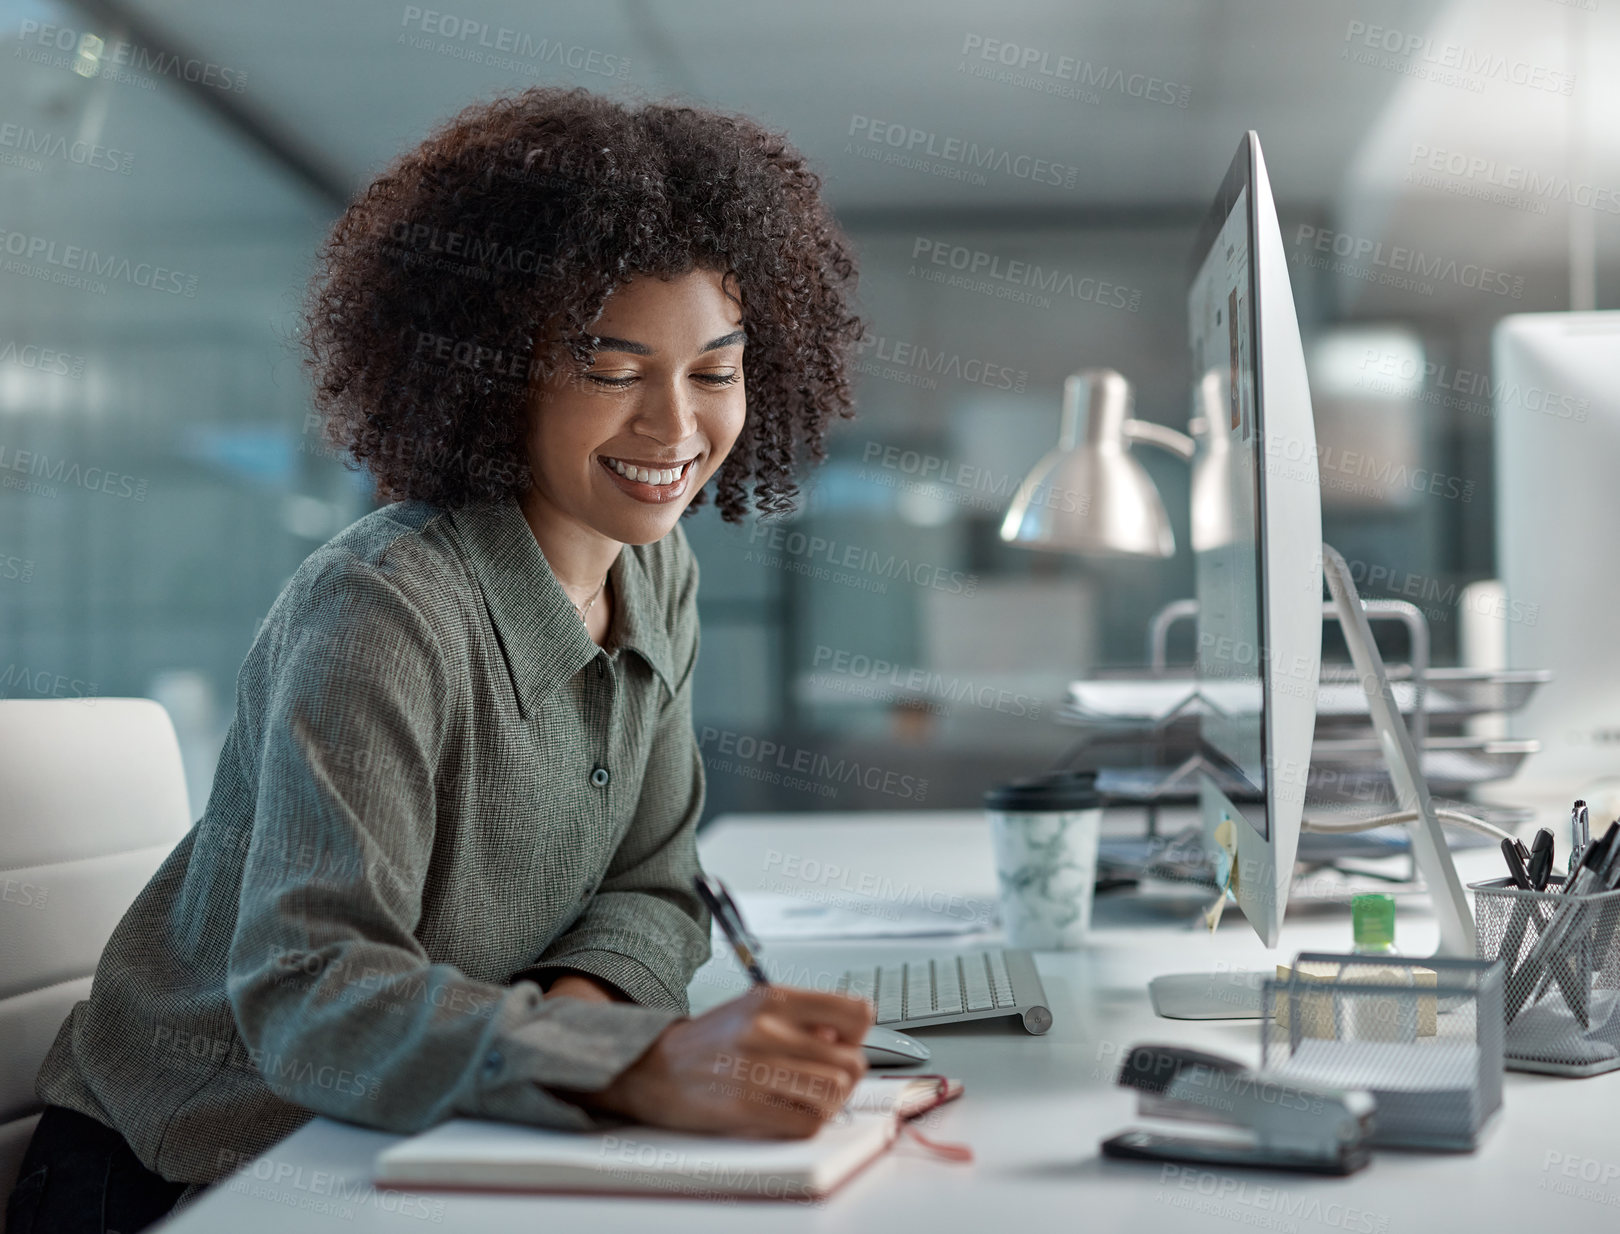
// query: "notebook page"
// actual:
[[900, 1096], [479, 1152]]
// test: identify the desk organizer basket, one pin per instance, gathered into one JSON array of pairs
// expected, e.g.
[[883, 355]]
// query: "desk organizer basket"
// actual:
[[1424, 1036], [1561, 960]]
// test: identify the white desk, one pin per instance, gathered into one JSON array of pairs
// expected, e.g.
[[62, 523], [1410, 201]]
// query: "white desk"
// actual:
[[1035, 1107]]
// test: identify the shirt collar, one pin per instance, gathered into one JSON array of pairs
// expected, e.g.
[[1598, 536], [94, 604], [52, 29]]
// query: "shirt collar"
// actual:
[[539, 629]]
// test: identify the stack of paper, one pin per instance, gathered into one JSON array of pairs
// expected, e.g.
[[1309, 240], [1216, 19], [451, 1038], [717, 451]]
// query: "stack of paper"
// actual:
[[1427, 1090]]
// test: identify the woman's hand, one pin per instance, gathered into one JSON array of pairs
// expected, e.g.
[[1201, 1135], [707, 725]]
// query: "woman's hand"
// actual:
[[776, 1062]]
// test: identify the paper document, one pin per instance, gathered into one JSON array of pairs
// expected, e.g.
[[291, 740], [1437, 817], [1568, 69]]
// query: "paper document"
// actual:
[[1155, 699], [774, 914], [1132, 699]]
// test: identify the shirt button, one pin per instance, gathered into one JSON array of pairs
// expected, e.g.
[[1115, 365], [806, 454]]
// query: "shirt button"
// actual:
[[493, 1061], [599, 669], [600, 777]]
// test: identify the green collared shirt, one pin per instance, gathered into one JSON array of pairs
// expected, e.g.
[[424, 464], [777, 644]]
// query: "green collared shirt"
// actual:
[[436, 787]]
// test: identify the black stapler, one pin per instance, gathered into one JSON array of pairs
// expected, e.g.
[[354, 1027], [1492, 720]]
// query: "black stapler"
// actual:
[[1266, 1122]]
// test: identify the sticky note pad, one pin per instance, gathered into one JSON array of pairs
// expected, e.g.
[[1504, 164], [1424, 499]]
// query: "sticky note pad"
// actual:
[[1317, 1013]]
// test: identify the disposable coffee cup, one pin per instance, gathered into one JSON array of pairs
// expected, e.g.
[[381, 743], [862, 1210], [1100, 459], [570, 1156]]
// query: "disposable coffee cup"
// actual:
[[1044, 831]]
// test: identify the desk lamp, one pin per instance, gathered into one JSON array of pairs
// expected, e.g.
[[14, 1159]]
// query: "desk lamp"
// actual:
[[1090, 494]]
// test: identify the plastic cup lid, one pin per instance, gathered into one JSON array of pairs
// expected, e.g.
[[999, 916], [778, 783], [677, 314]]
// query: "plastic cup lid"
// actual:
[[1045, 794]]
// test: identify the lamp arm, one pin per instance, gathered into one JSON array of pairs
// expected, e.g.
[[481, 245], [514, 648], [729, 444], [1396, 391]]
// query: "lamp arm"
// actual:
[[1152, 434]]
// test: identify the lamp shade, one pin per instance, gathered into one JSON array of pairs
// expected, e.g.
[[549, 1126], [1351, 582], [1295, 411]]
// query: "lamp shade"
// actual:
[[1211, 495], [1089, 495]]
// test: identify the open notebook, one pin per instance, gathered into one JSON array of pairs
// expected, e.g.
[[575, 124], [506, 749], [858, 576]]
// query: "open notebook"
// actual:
[[479, 1154]]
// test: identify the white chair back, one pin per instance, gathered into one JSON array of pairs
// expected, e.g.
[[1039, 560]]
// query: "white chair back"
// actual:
[[92, 799]]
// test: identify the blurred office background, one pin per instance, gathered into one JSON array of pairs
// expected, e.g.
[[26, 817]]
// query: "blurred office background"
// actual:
[[163, 476]]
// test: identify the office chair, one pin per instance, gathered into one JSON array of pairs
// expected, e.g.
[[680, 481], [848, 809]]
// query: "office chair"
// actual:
[[92, 799]]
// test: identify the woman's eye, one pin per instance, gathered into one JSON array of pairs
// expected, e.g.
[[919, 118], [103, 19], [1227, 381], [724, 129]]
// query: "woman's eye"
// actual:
[[708, 379]]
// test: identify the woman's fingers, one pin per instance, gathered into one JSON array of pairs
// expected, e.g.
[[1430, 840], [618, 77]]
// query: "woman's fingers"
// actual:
[[773, 1052], [773, 1035], [777, 1095], [810, 1009]]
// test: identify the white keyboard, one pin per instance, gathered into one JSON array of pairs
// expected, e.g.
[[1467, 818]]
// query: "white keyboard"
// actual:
[[943, 989]]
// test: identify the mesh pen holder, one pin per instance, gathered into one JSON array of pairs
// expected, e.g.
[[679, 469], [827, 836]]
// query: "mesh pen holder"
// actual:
[[1424, 1036], [1561, 958]]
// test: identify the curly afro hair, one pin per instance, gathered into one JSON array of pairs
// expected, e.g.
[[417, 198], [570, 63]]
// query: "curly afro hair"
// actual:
[[476, 263]]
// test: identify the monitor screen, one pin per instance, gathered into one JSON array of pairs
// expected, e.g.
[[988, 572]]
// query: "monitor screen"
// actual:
[[1230, 635]]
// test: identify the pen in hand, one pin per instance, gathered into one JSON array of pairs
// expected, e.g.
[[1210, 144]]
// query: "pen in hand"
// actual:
[[775, 1062], [723, 908]]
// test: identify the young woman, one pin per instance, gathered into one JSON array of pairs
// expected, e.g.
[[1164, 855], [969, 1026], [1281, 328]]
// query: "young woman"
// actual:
[[446, 866]]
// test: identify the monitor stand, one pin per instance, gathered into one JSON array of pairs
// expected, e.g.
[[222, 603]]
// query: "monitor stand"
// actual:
[[1235, 995]]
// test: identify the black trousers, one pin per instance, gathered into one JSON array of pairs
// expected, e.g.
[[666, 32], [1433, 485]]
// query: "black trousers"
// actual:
[[80, 1177]]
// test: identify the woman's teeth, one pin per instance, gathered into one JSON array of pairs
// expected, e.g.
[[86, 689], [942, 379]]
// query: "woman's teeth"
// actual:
[[664, 475]]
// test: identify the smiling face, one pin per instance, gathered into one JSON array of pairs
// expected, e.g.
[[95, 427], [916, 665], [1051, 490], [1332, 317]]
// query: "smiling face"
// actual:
[[621, 449]]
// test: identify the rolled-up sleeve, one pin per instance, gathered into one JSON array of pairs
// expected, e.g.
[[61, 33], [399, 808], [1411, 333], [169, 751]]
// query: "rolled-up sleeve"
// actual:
[[338, 1003], [645, 931]]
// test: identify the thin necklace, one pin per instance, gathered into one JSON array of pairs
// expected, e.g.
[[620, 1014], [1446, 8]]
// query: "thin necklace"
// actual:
[[591, 603]]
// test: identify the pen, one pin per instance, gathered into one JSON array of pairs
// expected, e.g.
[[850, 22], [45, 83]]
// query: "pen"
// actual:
[[1541, 859], [1580, 835], [1610, 840], [1517, 857], [718, 901], [1574, 967]]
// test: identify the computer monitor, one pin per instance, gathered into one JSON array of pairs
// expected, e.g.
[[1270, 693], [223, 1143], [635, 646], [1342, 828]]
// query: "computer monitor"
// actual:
[[1260, 565], [1555, 382], [1257, 539]]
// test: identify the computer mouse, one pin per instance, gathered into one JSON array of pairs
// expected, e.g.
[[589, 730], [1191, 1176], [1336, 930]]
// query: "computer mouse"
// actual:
[[886, 1048]]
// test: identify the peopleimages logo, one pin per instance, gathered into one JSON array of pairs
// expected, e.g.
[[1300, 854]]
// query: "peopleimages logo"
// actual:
[[882, 356], [42, 359], [27, 141], [501, 47], [1510, 177], [93, 56], [34, 463], [886, 678], [73, 257], [322, 1191], [909, 146], [1443, 597], [1395, 262], [868, 885], [1246, 1202], [998, 274], [1334, 464], [796, 767], [1473, 385], [950, 480], [14, 568], [17, 681], [1448, 63], [430, 245], [1040, 70], [802, 549]]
